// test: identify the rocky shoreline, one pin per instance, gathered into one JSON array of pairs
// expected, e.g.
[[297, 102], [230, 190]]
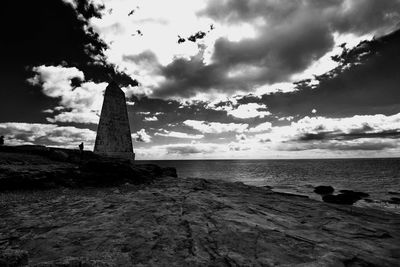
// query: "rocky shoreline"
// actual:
[[164, 220]]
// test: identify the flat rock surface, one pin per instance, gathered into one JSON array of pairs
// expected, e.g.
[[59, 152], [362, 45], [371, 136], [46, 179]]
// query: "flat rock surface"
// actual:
[[181, 222]]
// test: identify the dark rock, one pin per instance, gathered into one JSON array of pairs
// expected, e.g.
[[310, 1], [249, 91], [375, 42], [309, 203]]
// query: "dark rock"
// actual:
[[31, 167], [394, 193], [58, 155], [394, 200], [109, 171], [346, 197], [170, 171], [343, 199], [75, 262], [355, 193], [13, 258], [324, 190]]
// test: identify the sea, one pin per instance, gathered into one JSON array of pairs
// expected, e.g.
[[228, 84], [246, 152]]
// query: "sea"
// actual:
[[379, 177]]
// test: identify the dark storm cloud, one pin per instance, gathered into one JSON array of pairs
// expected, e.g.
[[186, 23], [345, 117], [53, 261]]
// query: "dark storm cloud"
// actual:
[[364, 145], [393, 134], [290, 37], [344, 16], [47, 32], [366, 82], [269, 59]]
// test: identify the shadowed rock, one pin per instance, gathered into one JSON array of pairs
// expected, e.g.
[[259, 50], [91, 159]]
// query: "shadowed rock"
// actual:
[[13, 258], [394, 200], [43, 168], [354, 193], [347, 197], [324, 190]]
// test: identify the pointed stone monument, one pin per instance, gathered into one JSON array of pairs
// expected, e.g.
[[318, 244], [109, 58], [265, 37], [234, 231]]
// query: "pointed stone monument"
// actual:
[[113, 132]]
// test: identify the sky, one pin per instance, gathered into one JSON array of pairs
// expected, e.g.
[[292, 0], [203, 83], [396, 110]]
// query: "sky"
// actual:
[[203, 79]]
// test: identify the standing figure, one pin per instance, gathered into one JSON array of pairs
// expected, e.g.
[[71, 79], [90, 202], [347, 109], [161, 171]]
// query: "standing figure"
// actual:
[[81, 149]]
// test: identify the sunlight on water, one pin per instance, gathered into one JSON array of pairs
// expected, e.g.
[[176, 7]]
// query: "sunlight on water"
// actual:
[[376, 177]]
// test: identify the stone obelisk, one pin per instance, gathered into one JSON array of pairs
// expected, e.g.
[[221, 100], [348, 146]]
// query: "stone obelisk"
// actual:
[[113, 132]]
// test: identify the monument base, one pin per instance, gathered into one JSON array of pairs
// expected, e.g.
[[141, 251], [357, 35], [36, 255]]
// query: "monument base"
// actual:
[[119, 155]]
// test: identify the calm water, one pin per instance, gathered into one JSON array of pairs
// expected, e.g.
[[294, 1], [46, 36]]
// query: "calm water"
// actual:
[[374, 176]]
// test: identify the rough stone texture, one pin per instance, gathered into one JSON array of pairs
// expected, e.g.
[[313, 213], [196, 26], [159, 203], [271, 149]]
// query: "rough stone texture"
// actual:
[[27, 168], [193, 222], [13, 258], [113, 132]]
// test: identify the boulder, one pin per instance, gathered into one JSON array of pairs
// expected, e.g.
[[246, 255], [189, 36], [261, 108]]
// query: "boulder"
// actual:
[[324, 190], [343, 199], [354, 193], [13, 258], [394, 200]]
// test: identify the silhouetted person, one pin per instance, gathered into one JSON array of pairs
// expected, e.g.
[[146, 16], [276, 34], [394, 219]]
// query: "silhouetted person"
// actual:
[[81, 149], [1, 140]]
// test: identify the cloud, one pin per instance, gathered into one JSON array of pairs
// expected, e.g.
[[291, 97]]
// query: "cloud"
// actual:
[[365, 82], [83, 102], [187, 149], [216, 127], [180, 135], [154, 118], [366, 132], [55, 80], [250, 110], [46, 134], [141, 136], [289, 37], [262, 127], [341, 15]]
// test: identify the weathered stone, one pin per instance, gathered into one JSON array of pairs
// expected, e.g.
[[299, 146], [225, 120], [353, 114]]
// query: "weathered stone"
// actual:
[[20, 171], [347, 197], [394, 200], [324, 190], [355, 193], [343, 199], [113, 132], [75, 262], [194, 222], [13, 258]]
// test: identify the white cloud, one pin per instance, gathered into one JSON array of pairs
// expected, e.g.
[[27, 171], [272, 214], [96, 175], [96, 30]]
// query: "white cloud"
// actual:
[[75, 116], [250, 110], [55, 80], [180, 135], [263, 127], [83, 102], [334, 133], [216, 127], [46, 134], [154, 118], [141, 136]]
